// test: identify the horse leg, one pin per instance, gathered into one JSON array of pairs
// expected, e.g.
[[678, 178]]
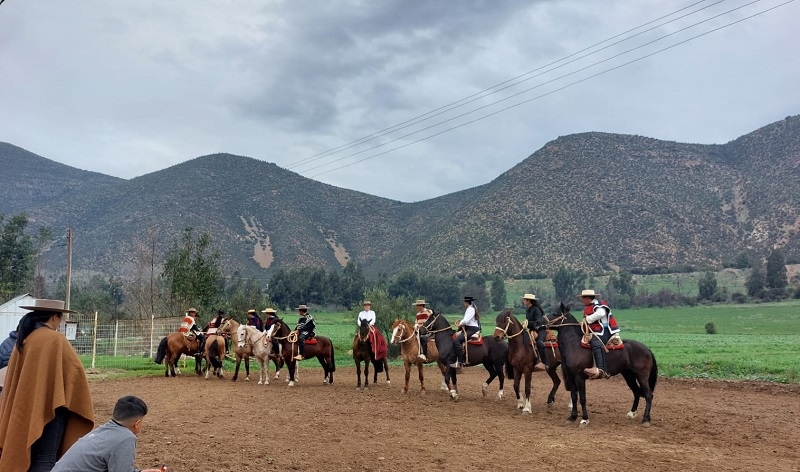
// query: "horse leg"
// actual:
[[291, 366], [647, 393], [247, 368], [581, 384], [630, 379], [358, 373], [236, 369], [492, 374], [386, 369], [453, 383], [528, 375], [517, 379], [551, 398], [366, 373]]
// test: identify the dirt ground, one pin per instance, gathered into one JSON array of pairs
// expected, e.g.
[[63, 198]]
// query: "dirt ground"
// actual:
[[204, 425]]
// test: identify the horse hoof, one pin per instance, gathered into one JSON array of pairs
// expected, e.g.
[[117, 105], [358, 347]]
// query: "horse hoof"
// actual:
[[260, 382], [646, 424], [403, 391], [358, 389], [583, 423], [631, 415], [291, 384], [499, 395], [247, 379], [388, 382], [526, 412]]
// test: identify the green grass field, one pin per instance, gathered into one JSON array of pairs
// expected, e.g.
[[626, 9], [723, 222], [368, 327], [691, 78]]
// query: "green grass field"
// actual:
[[753, 342]]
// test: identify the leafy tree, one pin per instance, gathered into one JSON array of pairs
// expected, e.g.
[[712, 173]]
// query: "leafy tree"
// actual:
[[707, 286], [353, 284], [242, 294], [620, 289], [387, 308], [776, 277], [476, 287], [17, 256], [567, 282], [498, 293], [192, 273], [755, 281], [741, 261]]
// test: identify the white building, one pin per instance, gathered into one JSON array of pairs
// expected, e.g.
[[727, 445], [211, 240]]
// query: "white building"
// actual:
[[11, 313]]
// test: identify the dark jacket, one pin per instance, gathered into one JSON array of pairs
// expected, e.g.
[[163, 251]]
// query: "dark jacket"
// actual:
[[256, 322], [6, 348], [535, 316], [306, 326]]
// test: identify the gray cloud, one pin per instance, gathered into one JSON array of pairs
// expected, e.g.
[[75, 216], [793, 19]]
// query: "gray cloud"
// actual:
[[138, 86]]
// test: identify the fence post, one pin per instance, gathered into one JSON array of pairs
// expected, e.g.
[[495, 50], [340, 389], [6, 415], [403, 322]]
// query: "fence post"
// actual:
[[94, 341], [116, 336], [152, 330]]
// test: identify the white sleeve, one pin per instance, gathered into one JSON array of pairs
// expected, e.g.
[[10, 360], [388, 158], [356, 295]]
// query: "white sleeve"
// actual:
[[469, 314], [371, 317], [599, 313]]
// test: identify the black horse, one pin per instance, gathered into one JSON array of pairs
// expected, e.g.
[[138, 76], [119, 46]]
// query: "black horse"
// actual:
[[635, 362], [493, 354], [362, 351]]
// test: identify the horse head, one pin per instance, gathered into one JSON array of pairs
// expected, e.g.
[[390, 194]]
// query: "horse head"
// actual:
[[436, 322], [399, 328], [505, 320], [226, 326], [241, 336], [363, 331], [562, 316]]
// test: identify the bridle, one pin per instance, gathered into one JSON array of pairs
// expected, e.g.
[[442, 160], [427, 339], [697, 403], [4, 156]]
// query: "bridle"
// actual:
[[522, 329], [401, 328], [428, 325]]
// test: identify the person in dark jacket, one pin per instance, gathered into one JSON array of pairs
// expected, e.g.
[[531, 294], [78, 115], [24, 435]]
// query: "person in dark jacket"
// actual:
[[536, 323], [7, 347], [306, 329], [254, 320]]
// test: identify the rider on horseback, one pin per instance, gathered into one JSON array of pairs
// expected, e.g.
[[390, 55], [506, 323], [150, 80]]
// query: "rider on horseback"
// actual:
[[599, 318], [254, 320], [471, 325], [212, 327], [536, 323], [306, 329], [189, 326], [366, 314], [270, 318], [421, 317]]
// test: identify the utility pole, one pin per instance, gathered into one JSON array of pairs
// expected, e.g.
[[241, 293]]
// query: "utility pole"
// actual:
[[69, 266]]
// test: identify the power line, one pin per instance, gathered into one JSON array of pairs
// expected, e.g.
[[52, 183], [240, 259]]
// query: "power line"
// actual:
[[501, 86], [560, 88]]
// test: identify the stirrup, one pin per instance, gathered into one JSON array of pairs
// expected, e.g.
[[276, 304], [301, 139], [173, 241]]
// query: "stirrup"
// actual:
[[423, 357], [539, 367], [298, 357]]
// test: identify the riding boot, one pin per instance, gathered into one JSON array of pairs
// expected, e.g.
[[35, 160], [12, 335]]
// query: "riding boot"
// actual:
[[202, 342], [541, 364], [459, 352], [423, 348], [599, 370], [301, 345]]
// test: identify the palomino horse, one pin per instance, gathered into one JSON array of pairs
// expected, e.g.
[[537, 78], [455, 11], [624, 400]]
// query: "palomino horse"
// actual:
[[261, 345], [170, 349], [231, 327], [493, 354], [521, 354], [214, 354], [363, 352], [404, 334], [635, 362], [322, 350]]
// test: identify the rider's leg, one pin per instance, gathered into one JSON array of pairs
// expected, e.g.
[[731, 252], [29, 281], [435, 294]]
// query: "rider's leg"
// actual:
[[422, 340], [599, 370], [542, 364], [301, 345], [458, 350]]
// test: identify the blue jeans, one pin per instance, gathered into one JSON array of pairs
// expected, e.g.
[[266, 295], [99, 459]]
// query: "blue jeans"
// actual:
[[45, 449]]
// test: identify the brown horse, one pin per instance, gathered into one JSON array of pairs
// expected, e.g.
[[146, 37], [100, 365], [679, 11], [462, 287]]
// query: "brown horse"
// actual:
[[214, 354], [172, 347], [403, 333], [322, 350], [635, 362], [521, 354], [363, 352]]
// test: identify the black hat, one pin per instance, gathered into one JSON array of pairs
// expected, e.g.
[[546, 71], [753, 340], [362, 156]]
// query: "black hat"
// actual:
[[220, 312], [469, 299]]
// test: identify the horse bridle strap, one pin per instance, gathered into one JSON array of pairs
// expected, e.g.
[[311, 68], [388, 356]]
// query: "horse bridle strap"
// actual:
[[428, 329], [508, 325], [401, 340]]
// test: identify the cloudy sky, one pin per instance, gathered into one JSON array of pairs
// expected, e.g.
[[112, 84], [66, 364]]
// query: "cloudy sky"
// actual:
[[128, 88]]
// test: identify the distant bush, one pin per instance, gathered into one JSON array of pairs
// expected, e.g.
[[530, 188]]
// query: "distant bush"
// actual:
[[739, 297], [710, 328], [682, 269]]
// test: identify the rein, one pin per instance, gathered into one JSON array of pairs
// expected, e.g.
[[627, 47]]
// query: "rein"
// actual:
[[409, 338], [428, 326], [508, 325]]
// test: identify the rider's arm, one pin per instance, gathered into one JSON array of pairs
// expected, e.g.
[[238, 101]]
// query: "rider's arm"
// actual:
[[599, 313], [469, 314]]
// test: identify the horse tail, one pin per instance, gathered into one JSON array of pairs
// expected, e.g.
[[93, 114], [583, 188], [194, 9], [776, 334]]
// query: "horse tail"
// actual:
[[215, 361], [161, 353], [509, 370], [333, 358], [653, 373]]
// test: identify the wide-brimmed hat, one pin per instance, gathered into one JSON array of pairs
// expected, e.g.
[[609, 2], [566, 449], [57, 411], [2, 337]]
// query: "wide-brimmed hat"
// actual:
[[52, 306], [469, 299], [302, 307], [366, 302], [269, 310], [529, 296], [251, 311], [587, 293], [420, 302], [191, 310]]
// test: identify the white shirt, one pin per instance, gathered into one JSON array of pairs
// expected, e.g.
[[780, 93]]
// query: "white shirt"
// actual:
[[366, 315], [600, 314], [469, 317]]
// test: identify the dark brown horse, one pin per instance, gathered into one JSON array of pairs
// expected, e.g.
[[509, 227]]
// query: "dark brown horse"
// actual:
[[635, 362], [363, 352], [322, 350], [493, 354], [170, 349], [403, 333]]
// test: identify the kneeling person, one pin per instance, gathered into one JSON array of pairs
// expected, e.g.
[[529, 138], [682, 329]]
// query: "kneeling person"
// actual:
[[111, 447]]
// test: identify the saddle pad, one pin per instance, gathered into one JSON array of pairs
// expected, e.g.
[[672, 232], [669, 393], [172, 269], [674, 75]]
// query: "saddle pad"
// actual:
[[610, 347], [551, 344], [311, 341], [476, 342]]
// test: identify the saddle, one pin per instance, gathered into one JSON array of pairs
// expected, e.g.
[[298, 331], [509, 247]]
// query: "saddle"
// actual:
[[550, 340], [189, 336], [476, 339], [311, 341], [614, 342]]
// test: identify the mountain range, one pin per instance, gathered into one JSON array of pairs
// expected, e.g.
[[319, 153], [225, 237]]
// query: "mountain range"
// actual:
[[591, 200]]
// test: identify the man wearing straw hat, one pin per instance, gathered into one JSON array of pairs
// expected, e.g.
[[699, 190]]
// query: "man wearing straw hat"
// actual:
[[603, 325], [419, 320], [366, 314], [536, 324], [270, 318]]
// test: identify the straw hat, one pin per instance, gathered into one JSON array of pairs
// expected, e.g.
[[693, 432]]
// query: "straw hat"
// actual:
[[191, 310], [302, 307], [52, 306], [420, 302], [529, 296], [366, 302], [251, 311], [588, 293], [269, 310]]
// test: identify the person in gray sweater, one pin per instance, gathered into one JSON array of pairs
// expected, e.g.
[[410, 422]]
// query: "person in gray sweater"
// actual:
[[112, 446]]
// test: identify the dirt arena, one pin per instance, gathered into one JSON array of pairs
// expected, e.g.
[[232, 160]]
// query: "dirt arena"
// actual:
[[204, 425]]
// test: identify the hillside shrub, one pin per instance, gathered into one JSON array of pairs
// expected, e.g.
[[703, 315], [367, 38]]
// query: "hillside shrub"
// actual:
[[710, 328], [739, 297]]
